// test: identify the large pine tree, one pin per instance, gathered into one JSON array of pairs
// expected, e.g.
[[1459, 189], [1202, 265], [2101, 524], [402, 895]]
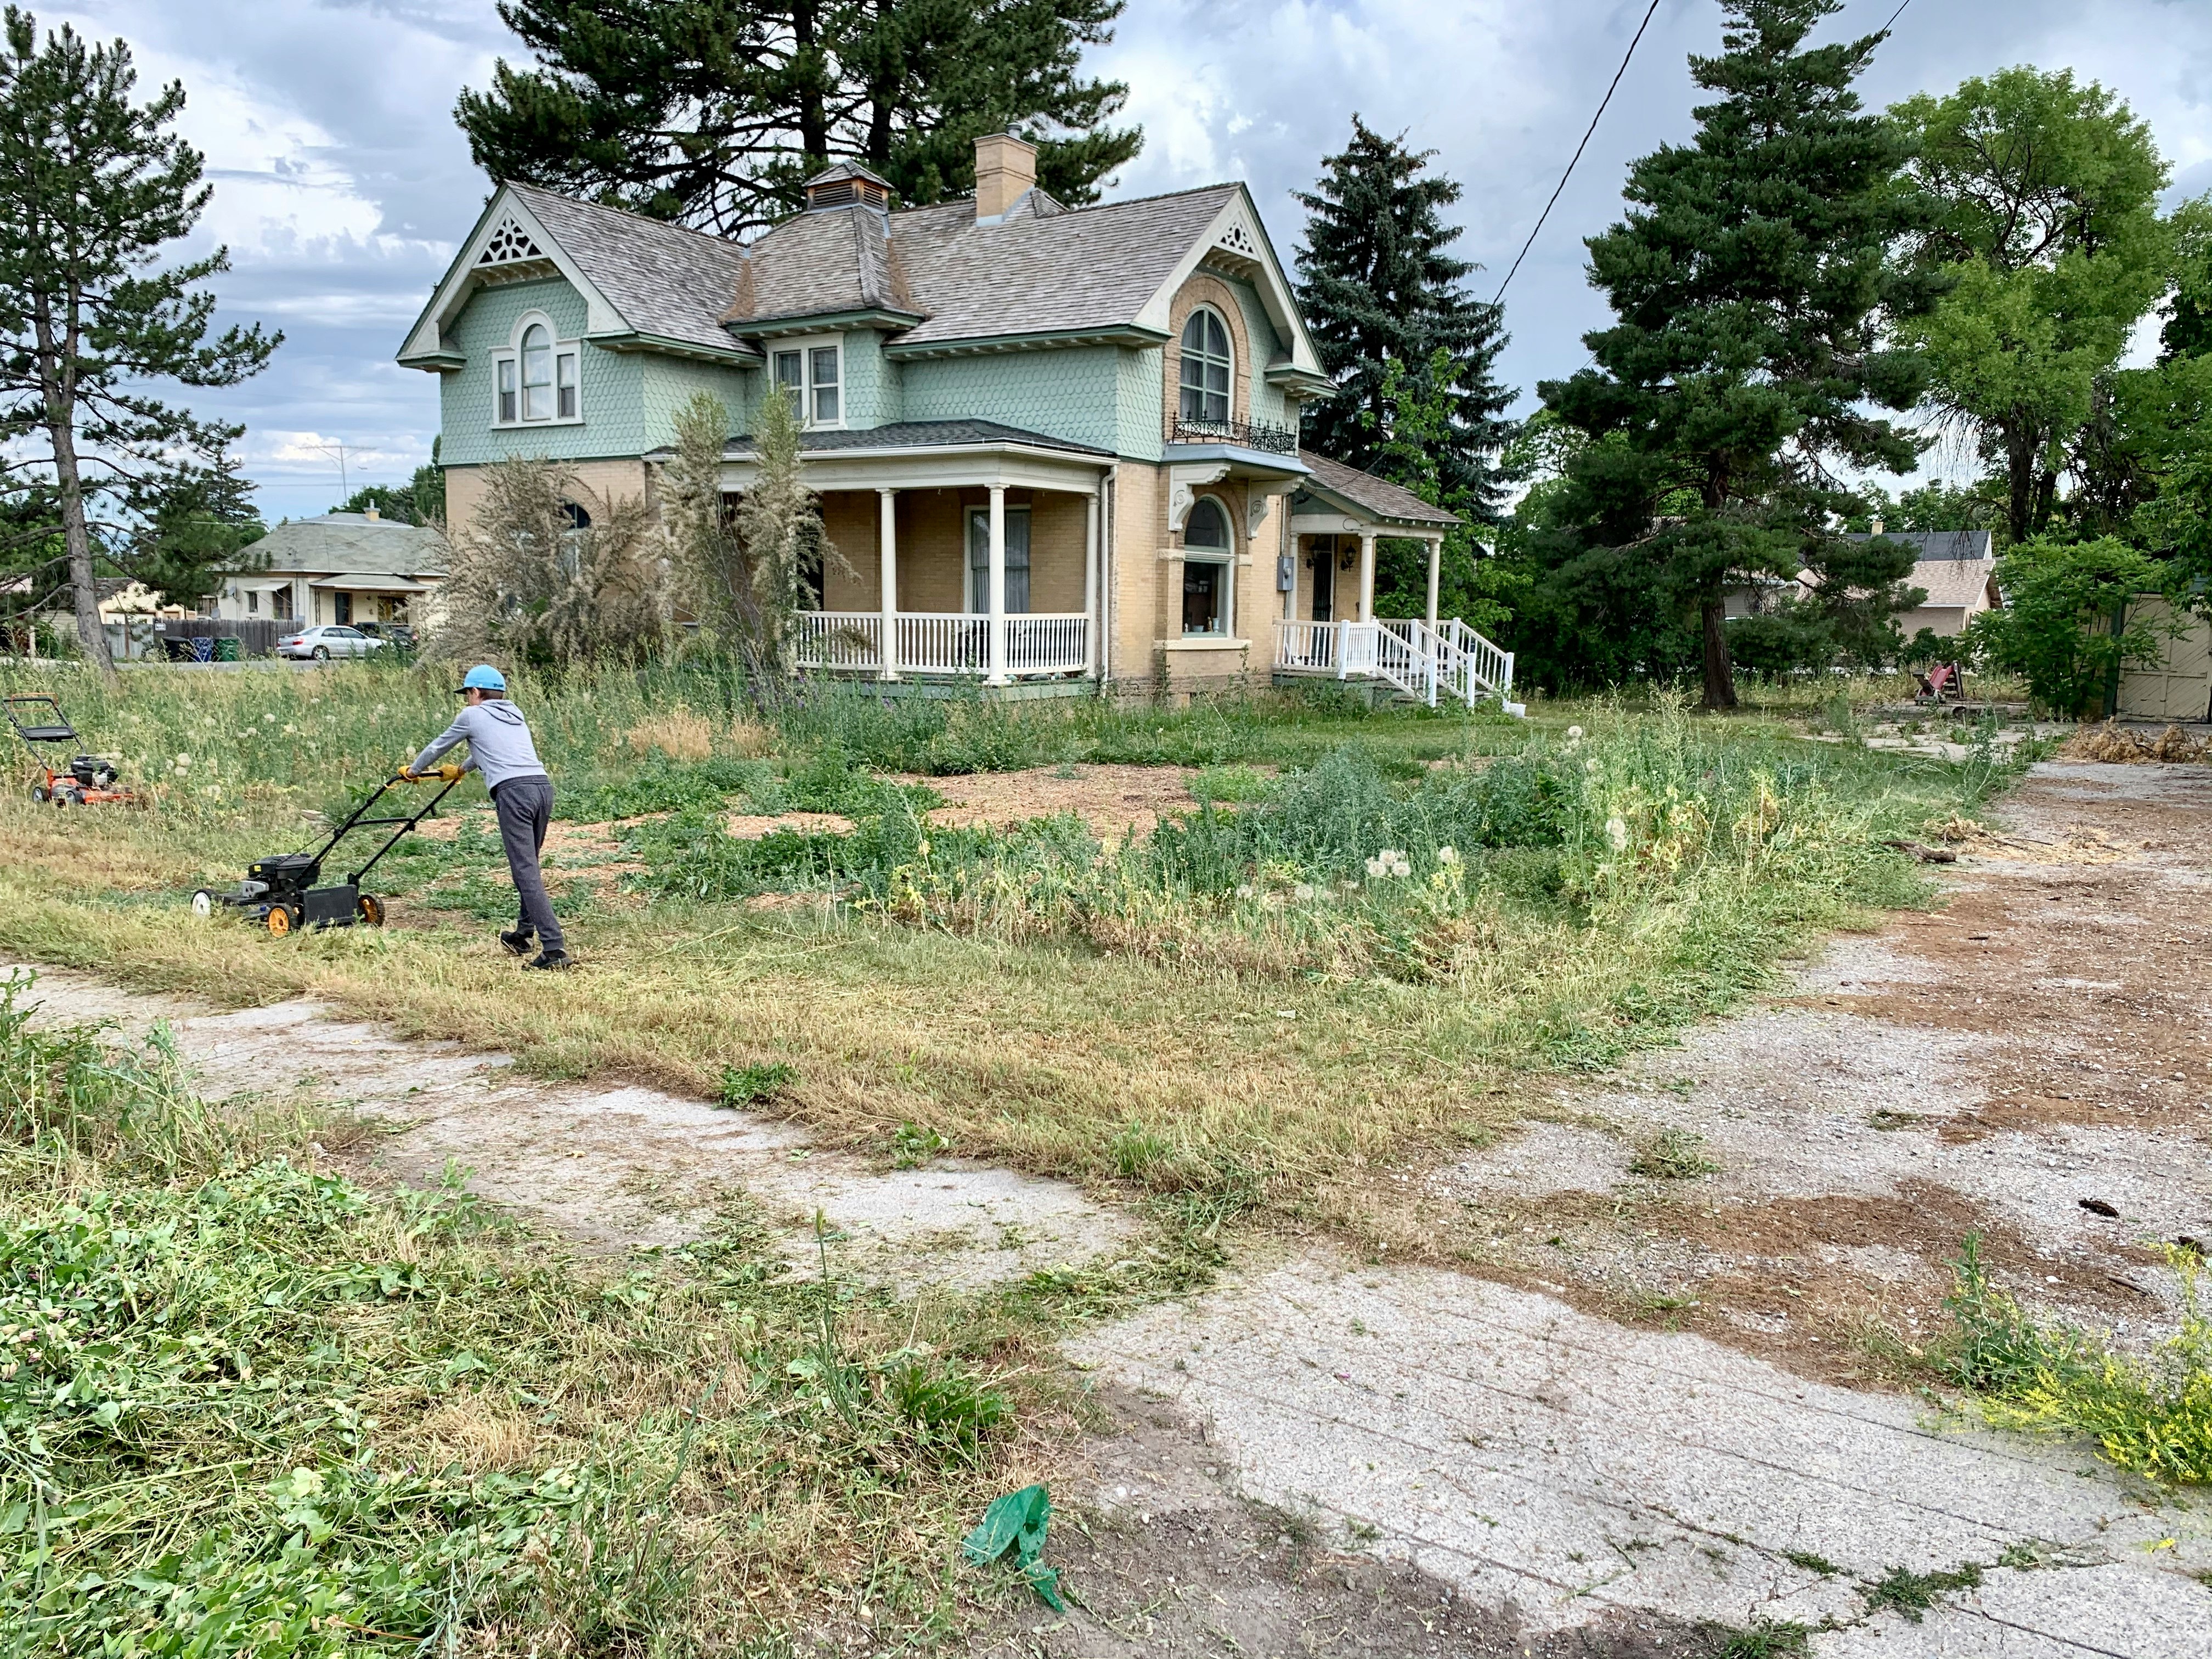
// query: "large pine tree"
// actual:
[[715, 111], [92, 186], [1752, 280], [1382, 298]]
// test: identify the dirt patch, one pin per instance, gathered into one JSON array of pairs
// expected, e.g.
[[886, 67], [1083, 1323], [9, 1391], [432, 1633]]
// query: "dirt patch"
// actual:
[[1115, 801]]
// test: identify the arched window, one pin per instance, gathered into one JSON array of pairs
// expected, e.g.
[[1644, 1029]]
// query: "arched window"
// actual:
[[1207, 527], [538, 373], [1206, 368], [1206, 563]]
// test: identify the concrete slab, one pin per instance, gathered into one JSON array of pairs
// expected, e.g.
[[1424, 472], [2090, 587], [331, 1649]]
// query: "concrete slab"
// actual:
[[1527, 1453]]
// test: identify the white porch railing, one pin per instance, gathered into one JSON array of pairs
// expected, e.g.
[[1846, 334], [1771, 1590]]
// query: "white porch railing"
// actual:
[[942, 642], [1450, 660]]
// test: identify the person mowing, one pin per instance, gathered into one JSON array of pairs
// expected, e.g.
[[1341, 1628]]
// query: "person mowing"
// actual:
[[500, 747]]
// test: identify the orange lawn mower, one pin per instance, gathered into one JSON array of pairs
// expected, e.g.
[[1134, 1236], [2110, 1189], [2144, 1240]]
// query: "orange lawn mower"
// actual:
[[284, 893], [84, 779]]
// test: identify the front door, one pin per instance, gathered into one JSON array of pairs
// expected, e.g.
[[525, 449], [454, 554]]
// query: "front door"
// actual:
[[342, 607], [1324, 578], [979, 561]]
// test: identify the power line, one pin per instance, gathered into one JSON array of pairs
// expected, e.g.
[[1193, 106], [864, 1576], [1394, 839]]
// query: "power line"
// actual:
[[1569, 172], [1894, 15]]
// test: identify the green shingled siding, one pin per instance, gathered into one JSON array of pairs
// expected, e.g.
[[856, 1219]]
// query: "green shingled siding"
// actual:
[[1070, 391], [612, 382], [873, 395], [1138, 391], [670, 382]]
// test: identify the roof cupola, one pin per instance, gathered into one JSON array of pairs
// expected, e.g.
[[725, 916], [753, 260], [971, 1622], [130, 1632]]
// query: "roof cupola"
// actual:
[[847, 185]]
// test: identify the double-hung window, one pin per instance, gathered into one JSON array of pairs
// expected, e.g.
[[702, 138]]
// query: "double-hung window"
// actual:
[[813, 378], [537, 381]]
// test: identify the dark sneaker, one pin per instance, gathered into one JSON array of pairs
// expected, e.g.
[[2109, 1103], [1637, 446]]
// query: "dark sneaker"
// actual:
[[549, 959], [515, 943]]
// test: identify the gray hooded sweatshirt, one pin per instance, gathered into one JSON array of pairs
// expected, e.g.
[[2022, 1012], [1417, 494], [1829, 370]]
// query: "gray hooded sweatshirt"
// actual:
[[499, 743]]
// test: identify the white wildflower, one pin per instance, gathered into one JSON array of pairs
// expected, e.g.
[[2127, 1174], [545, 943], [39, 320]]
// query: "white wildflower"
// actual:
[[1447, 855], [1590, 767], [1303, 890], [1575, 733], [1616, 831], [1402, 865], [183, 763], [271, 719], [1244, 889], [1375, 865]]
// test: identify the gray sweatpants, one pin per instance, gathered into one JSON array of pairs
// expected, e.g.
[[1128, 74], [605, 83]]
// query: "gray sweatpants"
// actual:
[[526, 809]]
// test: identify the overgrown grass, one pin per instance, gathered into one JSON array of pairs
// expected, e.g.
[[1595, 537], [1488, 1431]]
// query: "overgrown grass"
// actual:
[[248, 1407], [1314, 972], [2151, 1415]]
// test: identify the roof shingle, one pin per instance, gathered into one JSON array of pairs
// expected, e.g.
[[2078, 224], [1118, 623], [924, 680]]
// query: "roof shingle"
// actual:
[[1378, 495]]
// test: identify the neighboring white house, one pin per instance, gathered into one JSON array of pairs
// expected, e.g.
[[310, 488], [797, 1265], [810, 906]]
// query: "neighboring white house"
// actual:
[[342, 567]]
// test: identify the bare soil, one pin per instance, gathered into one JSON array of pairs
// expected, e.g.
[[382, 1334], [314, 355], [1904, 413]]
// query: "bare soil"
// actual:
[[1115, 801]]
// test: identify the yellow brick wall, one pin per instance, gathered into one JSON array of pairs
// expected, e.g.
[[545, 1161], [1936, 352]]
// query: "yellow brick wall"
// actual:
[[603, 480]]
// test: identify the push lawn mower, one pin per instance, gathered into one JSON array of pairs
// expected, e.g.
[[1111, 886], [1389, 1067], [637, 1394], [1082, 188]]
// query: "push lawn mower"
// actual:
[[280, 894], [88, 781]]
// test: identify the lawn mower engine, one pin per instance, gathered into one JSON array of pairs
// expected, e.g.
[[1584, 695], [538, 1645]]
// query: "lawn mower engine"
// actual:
[[282, 893], [91, 772]]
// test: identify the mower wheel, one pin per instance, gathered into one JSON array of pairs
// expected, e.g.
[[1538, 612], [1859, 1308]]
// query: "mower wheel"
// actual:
[[40, 794], [278, 921], [370, 909], [203, 903]]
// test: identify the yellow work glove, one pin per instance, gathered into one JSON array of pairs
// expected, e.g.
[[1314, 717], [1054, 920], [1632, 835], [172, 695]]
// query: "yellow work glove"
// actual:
[[409, 775]]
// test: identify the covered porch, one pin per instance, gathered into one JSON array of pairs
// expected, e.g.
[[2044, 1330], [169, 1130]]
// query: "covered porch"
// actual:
[[970, 554], [1328, 627]]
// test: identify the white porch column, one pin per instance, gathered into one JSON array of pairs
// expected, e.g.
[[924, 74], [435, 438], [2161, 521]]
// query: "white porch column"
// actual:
[[1436, 557], [1090, 630], [887, 552], [1366, 577], [997, 646]]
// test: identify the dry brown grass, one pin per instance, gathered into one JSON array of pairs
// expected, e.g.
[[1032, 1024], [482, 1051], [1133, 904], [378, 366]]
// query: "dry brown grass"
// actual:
[[680, 734], [2124, 746]]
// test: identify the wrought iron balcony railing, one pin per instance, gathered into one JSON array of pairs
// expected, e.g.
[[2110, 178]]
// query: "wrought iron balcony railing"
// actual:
[[1250, 434]]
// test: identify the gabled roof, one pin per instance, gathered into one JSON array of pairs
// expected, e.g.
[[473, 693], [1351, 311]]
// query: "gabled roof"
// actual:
[[1933, 545], [936, 279], [645, 283], [1361, 495], [341, 542]]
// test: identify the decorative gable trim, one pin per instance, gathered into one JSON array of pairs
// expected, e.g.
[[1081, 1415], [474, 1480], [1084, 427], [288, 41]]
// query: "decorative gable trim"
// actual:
[[1236, 243], [507, 244]]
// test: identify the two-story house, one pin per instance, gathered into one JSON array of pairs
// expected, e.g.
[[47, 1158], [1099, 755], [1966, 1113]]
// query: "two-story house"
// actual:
[[1056, 448]]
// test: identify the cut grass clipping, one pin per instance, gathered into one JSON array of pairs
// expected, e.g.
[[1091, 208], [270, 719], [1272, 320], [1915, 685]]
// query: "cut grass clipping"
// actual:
[[249, 1407], [2150, 1415]]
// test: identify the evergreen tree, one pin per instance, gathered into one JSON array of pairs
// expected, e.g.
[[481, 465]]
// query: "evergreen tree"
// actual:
[[1379, 291], [715, 111], [1750, 280], [92, 185], [200, 530], [420, 501]]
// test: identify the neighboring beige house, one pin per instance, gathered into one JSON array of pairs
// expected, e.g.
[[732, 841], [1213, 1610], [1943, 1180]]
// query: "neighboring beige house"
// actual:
[[2179, 686], [1956, 569], [351, 567]]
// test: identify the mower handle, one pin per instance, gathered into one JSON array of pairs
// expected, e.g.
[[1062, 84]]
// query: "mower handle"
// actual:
[[449, 773]]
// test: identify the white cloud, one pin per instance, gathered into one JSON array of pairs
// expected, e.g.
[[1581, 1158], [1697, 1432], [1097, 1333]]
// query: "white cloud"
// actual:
[[342, 182]]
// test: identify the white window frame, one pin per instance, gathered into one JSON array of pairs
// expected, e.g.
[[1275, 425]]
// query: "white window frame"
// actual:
[[1223, 557], [1228, 336], [806, 345], [507, 375]]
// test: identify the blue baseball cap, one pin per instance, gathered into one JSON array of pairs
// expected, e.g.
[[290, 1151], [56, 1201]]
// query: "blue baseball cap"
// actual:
[[484, 678]]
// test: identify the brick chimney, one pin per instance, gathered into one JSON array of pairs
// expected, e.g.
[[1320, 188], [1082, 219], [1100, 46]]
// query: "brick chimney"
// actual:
[[1005, 167], [370, 513]]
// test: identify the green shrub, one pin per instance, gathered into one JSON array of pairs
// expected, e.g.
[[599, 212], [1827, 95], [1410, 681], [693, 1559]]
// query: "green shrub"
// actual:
[[2065, 624]]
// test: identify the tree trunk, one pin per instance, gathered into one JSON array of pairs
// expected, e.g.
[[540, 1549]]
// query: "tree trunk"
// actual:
[[1720, 672], [814, 122], [76, 537], [2020, 447]]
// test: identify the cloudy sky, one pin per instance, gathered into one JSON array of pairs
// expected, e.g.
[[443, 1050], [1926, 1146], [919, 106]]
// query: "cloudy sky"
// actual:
[[342, 182]]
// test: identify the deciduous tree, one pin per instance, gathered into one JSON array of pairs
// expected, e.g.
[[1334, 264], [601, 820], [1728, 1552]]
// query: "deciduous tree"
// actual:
[[92, 186], [2046, 196]]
